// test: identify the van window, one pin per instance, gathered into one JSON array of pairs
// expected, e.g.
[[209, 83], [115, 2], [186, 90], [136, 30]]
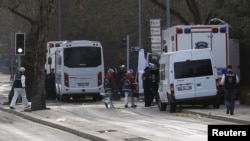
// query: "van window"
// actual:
[[193, 68]]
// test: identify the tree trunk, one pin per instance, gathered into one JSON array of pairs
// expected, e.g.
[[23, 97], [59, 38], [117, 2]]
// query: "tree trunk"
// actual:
[[38, 91], [35, 51]]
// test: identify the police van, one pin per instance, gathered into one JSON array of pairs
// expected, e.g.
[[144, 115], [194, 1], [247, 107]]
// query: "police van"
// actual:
[[187, 77]]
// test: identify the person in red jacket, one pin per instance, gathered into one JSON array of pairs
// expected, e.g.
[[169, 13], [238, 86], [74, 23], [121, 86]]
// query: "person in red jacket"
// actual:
[[128, 87], [110, 91]]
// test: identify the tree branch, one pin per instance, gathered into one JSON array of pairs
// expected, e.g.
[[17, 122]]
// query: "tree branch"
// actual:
[[13, 10]]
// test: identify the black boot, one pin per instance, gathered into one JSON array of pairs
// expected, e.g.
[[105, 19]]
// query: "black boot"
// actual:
[[231, 112]]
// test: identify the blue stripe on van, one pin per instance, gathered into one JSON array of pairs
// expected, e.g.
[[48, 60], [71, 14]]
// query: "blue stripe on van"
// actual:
[[221, 71]]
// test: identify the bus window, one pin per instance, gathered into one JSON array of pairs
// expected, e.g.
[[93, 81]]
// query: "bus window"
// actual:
[[78, 57]]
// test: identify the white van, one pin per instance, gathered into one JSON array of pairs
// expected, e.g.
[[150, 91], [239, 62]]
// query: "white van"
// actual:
[[187, 77]]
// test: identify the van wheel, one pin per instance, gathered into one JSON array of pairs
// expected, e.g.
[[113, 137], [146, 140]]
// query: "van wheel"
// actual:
[[172, 107], [216, 104], [205, 104], [162, 106], [216, 101]]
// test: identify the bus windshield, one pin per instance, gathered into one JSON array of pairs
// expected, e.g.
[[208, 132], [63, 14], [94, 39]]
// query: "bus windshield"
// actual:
[[80, 57]]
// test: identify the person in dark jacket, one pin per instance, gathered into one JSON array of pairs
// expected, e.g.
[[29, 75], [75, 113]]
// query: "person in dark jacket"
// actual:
[[19, 89], [120, 74], [230, 80], [116, 94], [50, 85], [155, 80], [147, 86]]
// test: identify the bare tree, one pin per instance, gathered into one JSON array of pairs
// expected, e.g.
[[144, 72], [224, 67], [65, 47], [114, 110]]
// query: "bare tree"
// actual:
[[201, 11], [37, 13]]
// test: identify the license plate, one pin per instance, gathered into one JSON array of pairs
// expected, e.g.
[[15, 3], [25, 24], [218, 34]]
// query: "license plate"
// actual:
[[184, 88], [83, 84]]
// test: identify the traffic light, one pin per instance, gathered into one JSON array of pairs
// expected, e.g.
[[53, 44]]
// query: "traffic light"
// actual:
[[20, 44], [124, 42]]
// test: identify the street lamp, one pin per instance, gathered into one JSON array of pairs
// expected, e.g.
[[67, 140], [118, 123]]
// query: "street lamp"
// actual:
[[213, 20]]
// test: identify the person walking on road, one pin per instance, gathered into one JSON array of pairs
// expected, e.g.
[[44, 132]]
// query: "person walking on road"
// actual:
[[19, 89], [230, 80], [147, 86], [128, 87], [110, 87]]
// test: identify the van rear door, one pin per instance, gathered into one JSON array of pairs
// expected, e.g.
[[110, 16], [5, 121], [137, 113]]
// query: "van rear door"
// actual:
[[204, 72], [183, 82], [201, 38], [194, 74]]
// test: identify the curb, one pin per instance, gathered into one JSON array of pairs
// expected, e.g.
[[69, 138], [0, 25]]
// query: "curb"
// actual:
[[237, 121]]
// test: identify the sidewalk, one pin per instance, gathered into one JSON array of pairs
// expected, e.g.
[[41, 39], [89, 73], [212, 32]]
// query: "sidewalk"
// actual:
[[241, 113], [76, 124]]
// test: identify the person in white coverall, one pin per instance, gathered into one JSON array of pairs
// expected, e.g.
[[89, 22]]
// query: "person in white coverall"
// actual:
[[19, 89]]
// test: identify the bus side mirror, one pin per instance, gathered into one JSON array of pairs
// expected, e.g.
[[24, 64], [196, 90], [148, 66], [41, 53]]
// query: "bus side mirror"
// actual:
[[60, 61], [165, 49], [50, 60]]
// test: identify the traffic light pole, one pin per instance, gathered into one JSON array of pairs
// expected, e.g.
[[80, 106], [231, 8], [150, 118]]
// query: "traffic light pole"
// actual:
[[127, 52], [18, 62]]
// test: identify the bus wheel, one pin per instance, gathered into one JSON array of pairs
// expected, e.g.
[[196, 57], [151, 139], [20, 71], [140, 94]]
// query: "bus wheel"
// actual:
[[58, 97]]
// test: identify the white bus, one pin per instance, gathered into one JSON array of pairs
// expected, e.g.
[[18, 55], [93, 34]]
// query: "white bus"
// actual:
[[79, 69]]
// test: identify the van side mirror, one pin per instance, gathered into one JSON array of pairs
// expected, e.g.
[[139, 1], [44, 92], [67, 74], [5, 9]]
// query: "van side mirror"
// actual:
[[49, 60]]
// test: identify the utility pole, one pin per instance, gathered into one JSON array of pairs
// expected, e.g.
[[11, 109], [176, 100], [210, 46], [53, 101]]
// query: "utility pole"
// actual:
[[11, 57], [127, 52], [168, 13], [140, 42], [59, 20]]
